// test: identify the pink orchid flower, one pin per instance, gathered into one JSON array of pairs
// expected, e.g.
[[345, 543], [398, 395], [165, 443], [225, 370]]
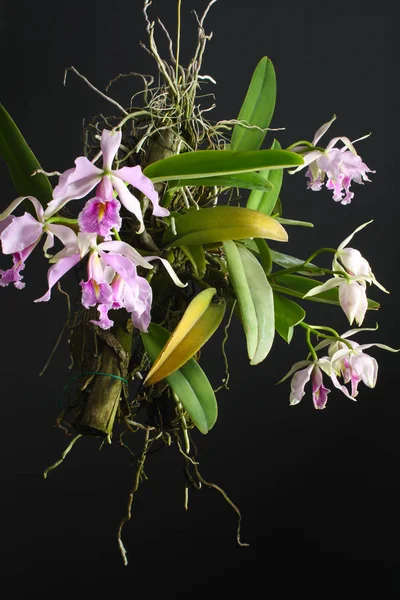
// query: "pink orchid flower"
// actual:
[[20, 235], [352, 285], [341, 166], [352, 364], [85, 176], [112, 280]]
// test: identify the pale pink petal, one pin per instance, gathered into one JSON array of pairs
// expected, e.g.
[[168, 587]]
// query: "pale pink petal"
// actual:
[[21, 233], [125, 249], [48, 244], [121, 265], [5, 223], [141, 312], [342, 388], [74, 184], [353, 300], [105, 189], [38, 207], [366, 368], [135, 177], [66, 235], [110, 142], [57, 271], [131, 203], [298, 383]]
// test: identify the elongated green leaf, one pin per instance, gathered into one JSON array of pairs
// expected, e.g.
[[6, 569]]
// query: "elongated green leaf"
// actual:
[[220, 223], [265, 254], [295, 285], [287, 315], [255, 298], [266, 201], [285, 260], [257, 109], [197, 325], [21, 161], [189, 383], [197, 258], [212, 163], [247, 181]]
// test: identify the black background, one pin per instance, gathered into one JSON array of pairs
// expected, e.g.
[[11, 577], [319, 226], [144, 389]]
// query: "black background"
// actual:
[[319, 491]]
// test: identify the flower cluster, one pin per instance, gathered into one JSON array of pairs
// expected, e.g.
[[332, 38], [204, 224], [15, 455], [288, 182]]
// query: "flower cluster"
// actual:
[[112, 278], [345, 360]]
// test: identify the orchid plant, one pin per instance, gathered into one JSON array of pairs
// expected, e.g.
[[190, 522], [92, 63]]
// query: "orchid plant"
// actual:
[[165, 252]]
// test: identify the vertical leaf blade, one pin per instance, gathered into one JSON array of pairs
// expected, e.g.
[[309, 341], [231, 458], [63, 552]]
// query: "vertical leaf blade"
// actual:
[[21, 161], [257, 108]]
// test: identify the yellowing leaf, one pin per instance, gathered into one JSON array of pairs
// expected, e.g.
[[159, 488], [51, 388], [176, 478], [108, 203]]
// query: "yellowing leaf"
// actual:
[[197, 325], [223, 223]]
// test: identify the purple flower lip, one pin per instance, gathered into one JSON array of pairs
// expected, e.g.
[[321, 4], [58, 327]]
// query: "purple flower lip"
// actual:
[[100, 216]]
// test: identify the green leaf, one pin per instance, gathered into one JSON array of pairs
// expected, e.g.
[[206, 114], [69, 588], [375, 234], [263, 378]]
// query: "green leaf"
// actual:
[[257, 109], [294, 222], [247, 181], [189, 383], [287, 315], [21, 161], [266, 201], [265, 255], [295, 285], [208, 225], [197, 258], [285, 260], [212, 163], [255, 298]]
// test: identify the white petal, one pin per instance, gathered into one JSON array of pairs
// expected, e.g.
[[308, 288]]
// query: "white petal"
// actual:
[[169, 269], [328, 285]]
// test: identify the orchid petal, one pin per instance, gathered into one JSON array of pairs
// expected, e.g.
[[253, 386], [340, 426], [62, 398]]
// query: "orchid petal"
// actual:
[[56, 272], [328, 285], [37, 206], [382, 346], [345, 141], [322, 130], [308, 159], [125, 249], [21, 233], [169, 269], [49, 243], [74, 184], [135, 177], [340, 387], [353, 300], [140, 315], [65, 234], [110, 142], [299, 380], [295, 367], [129, 201], [350, 237]]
